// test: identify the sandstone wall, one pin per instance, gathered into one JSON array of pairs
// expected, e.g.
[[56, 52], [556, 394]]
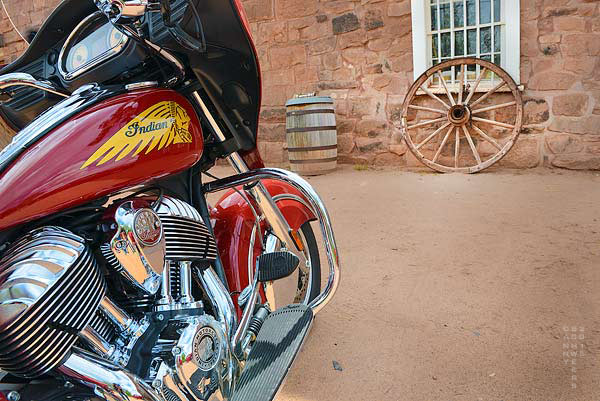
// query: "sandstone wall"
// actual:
[[360, 53]]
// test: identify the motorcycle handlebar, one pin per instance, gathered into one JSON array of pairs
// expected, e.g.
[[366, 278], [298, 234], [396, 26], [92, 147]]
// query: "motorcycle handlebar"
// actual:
[[124, 11]]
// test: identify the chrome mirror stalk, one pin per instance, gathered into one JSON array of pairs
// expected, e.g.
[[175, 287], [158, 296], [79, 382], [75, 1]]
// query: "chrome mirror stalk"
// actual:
[[23, 79]]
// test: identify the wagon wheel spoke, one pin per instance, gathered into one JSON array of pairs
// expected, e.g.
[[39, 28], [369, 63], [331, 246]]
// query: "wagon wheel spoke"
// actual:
[[428, 92], [496, 107], [443, 81], [456, 148], [439, 151], [488, 94], [486, 137], [430, 137], [426, 123], [426, 109], [476, 85], [461, 86], [471, 144], [493, 122]]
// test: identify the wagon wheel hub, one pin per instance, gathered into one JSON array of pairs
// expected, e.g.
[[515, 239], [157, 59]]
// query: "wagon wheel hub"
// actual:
[[459, 115]]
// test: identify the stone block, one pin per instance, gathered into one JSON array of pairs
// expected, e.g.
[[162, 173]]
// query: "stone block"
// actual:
[[288, 56], [535, 111], [524, 154], [399, 8], [563, 143], [372, 128], [576, 125], [552, 80], [577, 161], [575, 105], [345, 23], [373, 20], [288, 9]]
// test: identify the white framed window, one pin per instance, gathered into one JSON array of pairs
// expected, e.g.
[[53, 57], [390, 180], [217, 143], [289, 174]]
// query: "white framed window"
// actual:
[[446, 29]]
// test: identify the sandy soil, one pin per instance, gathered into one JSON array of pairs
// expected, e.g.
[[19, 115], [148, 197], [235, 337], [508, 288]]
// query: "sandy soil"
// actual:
[[458, 287]]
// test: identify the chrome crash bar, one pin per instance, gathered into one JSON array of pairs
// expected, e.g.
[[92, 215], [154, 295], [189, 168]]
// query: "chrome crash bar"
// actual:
[[23, 79], [317, 206]]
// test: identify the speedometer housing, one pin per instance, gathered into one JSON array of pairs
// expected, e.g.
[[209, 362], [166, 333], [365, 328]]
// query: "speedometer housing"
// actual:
[[94, 43]]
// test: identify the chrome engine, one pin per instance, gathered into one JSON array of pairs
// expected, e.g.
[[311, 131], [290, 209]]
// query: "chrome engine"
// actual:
[[53, 306], [50, 288]]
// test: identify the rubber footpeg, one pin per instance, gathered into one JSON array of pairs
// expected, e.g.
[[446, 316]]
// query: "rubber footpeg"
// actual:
[[276, 265], [277, 345]]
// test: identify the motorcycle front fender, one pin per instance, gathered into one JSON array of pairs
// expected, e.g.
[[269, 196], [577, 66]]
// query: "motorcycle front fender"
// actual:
[[234, 228]]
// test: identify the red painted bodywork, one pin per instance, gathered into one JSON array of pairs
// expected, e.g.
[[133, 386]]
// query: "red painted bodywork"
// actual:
[[48, 178], [233, 222]]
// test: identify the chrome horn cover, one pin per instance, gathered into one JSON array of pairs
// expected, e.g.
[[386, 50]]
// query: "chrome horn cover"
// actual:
[[139, 245]]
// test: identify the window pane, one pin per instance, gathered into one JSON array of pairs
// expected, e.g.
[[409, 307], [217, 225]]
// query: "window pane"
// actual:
[[434, 17], [498, 59], [459, 14], [459, 43], [485, 40], [446, 45], [472, 42], [471, 72], [434, 47], [445, 16], [497, 38], [497, 10], [485, 11], [471, 13]]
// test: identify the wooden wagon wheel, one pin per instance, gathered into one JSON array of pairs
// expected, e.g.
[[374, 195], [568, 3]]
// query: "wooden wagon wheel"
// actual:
[[464, 128]]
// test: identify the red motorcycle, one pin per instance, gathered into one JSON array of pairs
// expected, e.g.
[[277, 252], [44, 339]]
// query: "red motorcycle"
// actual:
[[117, 279]]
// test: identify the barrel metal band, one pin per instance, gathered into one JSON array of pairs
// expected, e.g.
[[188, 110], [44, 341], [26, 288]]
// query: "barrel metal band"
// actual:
[[305, 112], [329, 159], [310, 129], [308, 149]]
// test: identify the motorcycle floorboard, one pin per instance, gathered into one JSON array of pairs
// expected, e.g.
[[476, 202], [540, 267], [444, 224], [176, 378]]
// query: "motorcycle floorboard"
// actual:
[[277, 344]]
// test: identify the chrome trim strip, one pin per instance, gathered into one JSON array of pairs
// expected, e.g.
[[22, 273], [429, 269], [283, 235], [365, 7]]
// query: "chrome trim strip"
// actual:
[[317, 206], [24, 79], [107, 380], [93, 62], [293, 197]]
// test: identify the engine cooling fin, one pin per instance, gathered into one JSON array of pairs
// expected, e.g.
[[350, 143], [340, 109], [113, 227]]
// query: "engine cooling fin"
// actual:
[[187, 237], [50, 288]]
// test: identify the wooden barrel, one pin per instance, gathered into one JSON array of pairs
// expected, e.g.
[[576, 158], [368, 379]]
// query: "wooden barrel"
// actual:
[[311, 135]]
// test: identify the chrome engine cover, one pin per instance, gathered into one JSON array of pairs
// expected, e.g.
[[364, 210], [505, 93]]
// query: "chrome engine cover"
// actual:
[[187, 237], [50, 288], [199, 357], [139, 246]]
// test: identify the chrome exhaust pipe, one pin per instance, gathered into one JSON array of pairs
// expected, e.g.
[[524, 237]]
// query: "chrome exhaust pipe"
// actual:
[[108, 381]]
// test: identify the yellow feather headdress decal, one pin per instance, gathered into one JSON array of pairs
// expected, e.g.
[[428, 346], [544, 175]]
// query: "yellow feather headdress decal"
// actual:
[[157, 127]]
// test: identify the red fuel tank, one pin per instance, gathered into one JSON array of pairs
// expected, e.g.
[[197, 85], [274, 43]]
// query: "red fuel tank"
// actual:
[[120, 142]]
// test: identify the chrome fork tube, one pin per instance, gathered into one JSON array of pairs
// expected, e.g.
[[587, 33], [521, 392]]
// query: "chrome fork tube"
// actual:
[[259, 193]]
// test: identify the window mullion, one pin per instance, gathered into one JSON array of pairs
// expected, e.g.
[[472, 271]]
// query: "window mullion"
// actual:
[[452, 44]]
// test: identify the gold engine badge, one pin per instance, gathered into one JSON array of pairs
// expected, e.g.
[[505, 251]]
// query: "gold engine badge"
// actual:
[[157, 127]]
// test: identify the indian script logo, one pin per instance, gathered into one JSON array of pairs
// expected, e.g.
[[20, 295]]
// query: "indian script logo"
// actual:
[[164, 124]]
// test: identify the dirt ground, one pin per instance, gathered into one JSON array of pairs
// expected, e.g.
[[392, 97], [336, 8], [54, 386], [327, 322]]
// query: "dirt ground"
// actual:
[[458, 287]]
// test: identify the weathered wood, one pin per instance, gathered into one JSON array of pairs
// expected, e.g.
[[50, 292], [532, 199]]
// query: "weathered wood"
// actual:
[[311, 136], [460, 116]]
